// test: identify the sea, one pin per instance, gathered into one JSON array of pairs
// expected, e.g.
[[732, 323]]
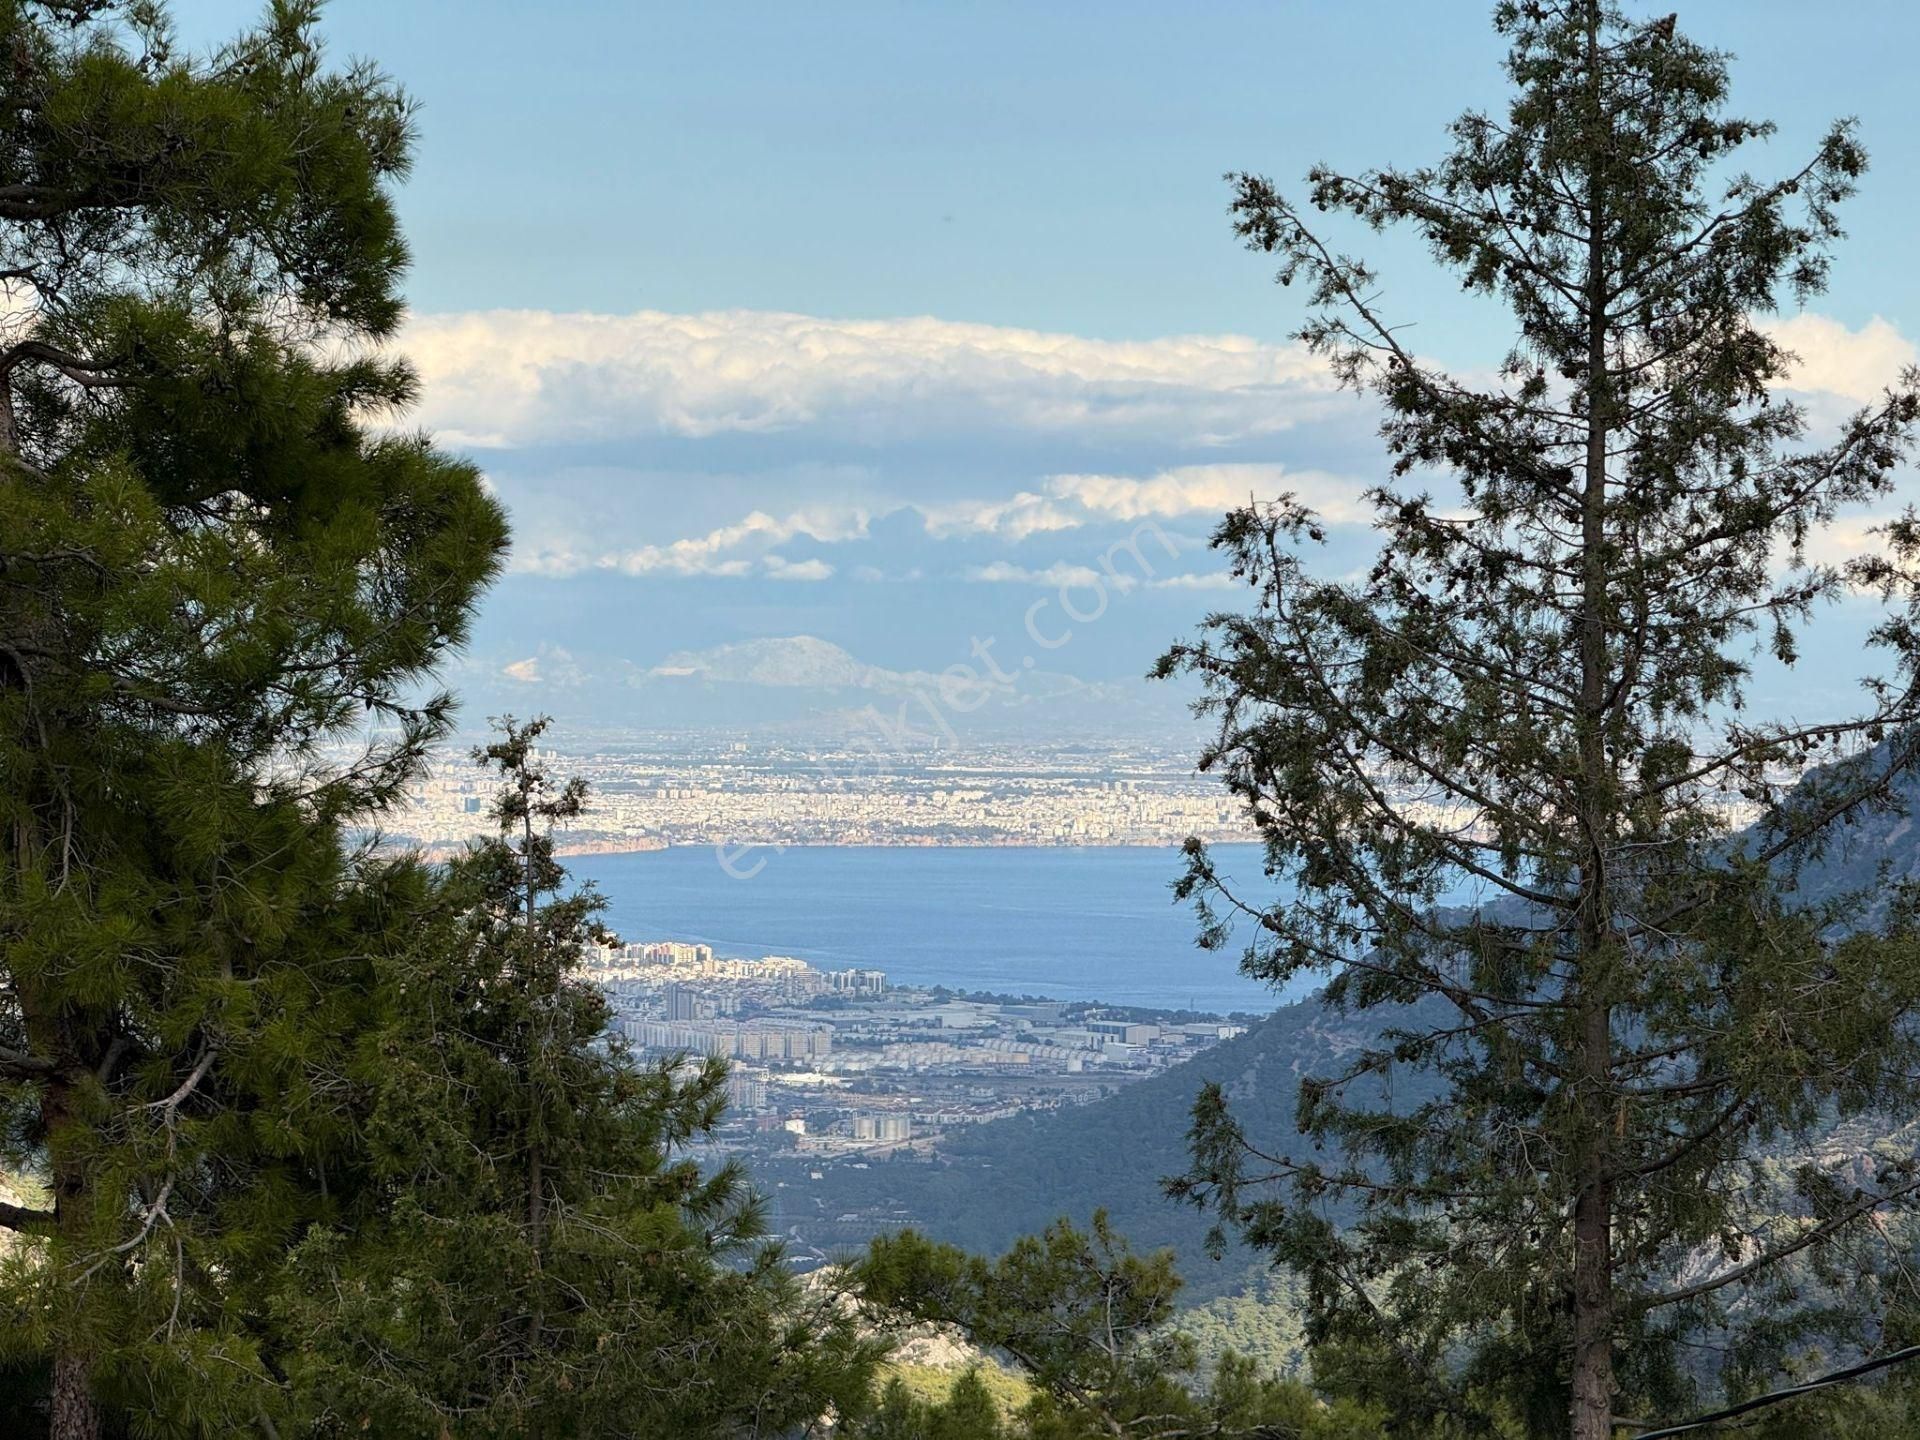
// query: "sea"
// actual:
[[1066, 923]]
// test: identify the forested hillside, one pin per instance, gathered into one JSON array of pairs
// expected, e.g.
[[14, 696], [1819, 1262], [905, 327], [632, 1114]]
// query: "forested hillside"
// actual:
[[1865, 858]]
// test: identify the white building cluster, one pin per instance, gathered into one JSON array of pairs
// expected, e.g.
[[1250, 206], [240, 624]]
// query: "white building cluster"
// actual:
[[839, 1061], [1008, 795], [732, 1040]]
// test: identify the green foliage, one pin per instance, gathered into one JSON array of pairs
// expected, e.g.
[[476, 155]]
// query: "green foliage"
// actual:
[[1088, 1321], [1535, 693], [930, 1384], [330, 1144], [1263, 1322], [966, 1411], [212, 562], [529, 1251], [1850, 1413]]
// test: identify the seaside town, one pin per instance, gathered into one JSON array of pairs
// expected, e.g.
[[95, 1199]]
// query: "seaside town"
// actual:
[[837, 1063], [647, 797]]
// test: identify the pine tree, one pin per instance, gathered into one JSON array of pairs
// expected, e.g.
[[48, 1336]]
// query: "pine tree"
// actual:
[[530, 1250], [1535, 694], [1090, 1323], [215, 561], [967, 1412]]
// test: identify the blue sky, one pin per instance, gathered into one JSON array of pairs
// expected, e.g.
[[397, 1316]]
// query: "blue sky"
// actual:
[[1054, 166], [862, 321]]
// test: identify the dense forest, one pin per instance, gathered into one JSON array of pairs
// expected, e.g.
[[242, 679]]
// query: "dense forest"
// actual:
[[308, 1137]]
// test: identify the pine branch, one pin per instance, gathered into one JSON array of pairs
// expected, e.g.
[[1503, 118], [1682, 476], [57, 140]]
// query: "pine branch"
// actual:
[[27, 1221], [19, 1065], [84, 372], [1861, 1207]]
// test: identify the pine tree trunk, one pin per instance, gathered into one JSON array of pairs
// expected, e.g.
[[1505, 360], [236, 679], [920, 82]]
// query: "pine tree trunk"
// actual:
[[75, 1416], [1593, 1046], [1592, 1397], [1592, 1417]]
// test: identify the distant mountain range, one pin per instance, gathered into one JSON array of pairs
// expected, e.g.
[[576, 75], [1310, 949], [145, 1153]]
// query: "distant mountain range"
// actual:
[[1868, 855], [791, 662], [801, 682]]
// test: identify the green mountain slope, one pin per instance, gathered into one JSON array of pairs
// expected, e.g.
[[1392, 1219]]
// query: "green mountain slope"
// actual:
[[1009, 1178]]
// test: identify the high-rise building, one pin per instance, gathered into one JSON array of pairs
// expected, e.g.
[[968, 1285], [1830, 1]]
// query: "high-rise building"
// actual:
[[882, 1127]]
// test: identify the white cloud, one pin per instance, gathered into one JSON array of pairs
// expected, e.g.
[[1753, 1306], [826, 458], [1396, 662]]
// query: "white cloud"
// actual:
[[1015, 519], [1842, 540], [508, 378], [1201, 580], [1842, 369], [504, 378], [1060, 576], [779, 567], [746, 547], [1853, 364], [1072, 501], [526, 671], [556, 560], [1207, 489], [718, 552]]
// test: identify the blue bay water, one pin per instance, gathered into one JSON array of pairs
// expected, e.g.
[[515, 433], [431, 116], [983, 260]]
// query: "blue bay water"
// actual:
[[1069, 923]]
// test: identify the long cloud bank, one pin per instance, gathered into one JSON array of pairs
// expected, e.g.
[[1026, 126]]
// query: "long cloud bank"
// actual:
[[519, 379], [511, 378]]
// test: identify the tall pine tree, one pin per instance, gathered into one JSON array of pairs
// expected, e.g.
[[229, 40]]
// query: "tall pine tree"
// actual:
[[213, 563], [1535, 694], [527, 1248]]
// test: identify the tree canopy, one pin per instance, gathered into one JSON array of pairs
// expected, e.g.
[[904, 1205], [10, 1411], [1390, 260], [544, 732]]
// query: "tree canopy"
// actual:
[[527, 1247], [216, 555], [324, 1141], [1536, 696], [1088, 1321]]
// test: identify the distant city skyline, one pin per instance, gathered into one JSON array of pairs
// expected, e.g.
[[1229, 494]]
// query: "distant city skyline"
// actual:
[[857, 336]]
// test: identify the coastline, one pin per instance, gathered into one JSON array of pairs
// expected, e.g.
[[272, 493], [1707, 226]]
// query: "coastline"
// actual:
[[638, 845], [564, 848], [644, 845]]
